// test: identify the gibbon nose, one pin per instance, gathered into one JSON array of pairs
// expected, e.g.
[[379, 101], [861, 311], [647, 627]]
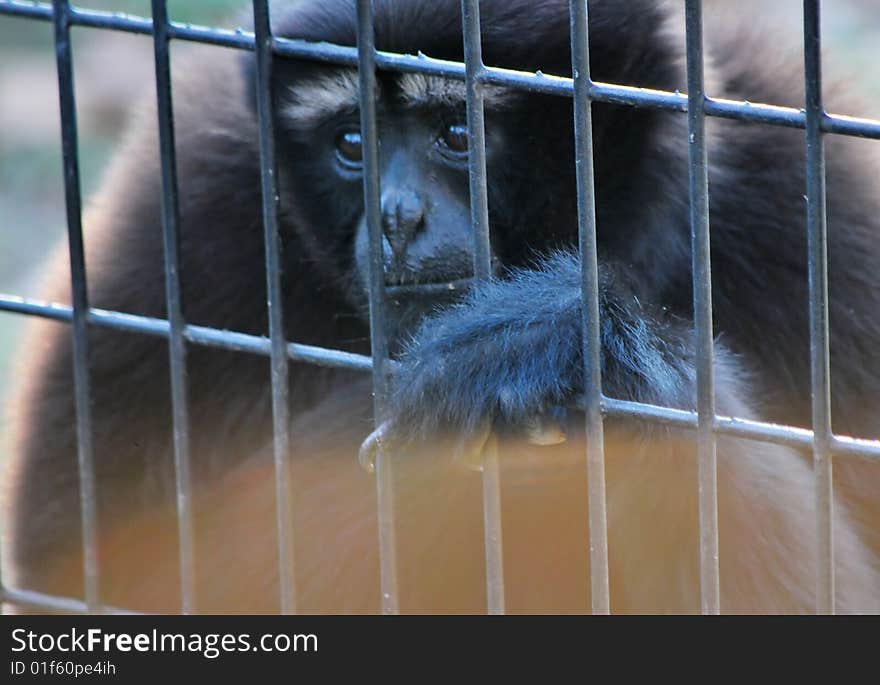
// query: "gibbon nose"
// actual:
[[403, 215]]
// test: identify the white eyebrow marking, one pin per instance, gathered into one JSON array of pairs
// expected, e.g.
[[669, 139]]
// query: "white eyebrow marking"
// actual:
[[422, 90], [312, 101]]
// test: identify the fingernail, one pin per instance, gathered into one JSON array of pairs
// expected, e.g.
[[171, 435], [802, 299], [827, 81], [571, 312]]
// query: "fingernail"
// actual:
[[470, 451], [540, 430]]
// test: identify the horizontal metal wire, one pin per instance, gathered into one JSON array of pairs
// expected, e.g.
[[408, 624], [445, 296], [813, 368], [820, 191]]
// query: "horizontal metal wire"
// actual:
[[533, 82], [200, 335], [789, 436], [38, 601], [748, 429]]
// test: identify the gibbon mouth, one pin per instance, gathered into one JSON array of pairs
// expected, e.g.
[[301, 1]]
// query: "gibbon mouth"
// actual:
[[431, 288]]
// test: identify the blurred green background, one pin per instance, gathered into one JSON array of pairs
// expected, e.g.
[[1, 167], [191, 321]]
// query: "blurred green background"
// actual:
[[112, 70]]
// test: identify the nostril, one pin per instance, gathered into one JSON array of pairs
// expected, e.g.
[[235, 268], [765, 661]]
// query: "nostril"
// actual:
[[393, 263], [387, 252], [395, 241]]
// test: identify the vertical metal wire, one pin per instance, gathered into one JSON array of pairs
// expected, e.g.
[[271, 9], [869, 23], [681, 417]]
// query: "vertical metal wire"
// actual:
[[710, 602], [176, 342], [473, 60], [595, 431], [279, 360], [491, 476], [378, 330], [820, 361], [79, 292], [4, 591]]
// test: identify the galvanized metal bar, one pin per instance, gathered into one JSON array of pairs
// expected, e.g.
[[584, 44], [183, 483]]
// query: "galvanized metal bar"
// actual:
[[199, 335], [31, 10], [3, 587], [774, 434], [479, 196], [710, 601], [492, 529], [275, 304], [858, 448], [792, 118], [820, 360], [592, 346], [176, 340], [38, 601], [80, 300], [378, 329], [543, 83], [854, 127], [473, 60]]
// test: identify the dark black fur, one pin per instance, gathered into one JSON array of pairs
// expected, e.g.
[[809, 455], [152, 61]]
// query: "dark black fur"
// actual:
[[512, 348]]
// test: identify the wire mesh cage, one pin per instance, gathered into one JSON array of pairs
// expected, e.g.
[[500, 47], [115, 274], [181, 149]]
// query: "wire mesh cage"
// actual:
[[813, 119]]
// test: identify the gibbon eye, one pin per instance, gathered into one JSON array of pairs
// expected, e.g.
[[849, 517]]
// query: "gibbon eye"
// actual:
[[349, 148], [455, 137]]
